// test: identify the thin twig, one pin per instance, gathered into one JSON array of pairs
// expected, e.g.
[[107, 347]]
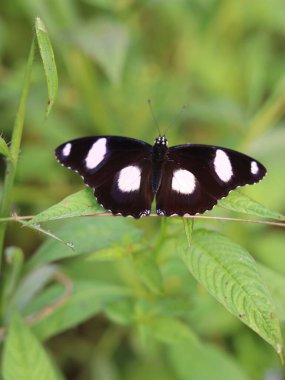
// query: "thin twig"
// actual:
[[280, 224], [222, 218]]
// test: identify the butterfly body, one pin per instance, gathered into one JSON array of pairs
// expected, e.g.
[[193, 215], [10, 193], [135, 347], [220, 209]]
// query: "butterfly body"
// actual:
[[128, 174], [159, 157]]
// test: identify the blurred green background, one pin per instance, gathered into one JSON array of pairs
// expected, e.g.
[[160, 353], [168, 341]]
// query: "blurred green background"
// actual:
[[225, 59]]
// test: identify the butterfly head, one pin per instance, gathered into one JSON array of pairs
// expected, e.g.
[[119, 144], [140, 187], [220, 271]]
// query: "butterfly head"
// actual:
[[161, 140]]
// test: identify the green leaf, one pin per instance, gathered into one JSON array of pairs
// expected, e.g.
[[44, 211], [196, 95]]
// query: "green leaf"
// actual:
[[203, 362], [47, 56], [14, 258], [4, 148], [236, 201], [171, 331], [88, 298], [88, 235], [107, 43], [81, 203], [32, 283], [37, 227], [24, 357], [230, 274]]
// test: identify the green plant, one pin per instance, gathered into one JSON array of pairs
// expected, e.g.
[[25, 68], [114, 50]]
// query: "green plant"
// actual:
[[137, 277]]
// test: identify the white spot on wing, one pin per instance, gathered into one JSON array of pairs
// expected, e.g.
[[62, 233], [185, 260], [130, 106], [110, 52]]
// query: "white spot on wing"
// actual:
[[254, 167], [223, 166], [66, 150], [96, 154], [129, 179], [183, 181]]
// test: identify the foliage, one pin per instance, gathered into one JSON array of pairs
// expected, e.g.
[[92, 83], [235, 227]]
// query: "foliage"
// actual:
[[111, 298]]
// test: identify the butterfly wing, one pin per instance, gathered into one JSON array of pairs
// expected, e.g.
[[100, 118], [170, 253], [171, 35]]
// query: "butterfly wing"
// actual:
[[117, 168], [195, 177]]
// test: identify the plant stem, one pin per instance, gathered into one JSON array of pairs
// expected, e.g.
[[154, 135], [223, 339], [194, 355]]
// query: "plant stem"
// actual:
[[17, 218], [15, 149]]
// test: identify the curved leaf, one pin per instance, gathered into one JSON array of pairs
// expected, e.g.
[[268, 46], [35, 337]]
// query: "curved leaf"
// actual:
[[24, 357], [230, 274]]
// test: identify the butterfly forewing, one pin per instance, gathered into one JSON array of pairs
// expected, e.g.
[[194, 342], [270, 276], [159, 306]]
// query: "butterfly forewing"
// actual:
[[197, 176], [118, 168]]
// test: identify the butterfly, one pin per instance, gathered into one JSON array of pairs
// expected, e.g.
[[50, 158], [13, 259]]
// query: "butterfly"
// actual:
[[128, 174]]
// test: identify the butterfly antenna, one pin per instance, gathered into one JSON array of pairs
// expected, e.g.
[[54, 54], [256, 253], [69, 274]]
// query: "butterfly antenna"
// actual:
[[176, 117], [153, 116]]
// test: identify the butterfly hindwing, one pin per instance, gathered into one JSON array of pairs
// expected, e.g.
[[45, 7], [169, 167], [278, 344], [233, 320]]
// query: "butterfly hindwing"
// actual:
[[181, 193], [197, 176], [117, 168]]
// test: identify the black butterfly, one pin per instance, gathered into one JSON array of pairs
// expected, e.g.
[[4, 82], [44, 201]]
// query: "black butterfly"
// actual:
[[126, 174]]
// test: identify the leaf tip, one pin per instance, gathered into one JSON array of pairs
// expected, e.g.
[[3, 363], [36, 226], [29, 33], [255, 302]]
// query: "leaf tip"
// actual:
[[279, 350], [39, 24]]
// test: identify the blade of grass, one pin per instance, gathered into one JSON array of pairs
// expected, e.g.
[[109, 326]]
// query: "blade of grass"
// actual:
[[15, 149]]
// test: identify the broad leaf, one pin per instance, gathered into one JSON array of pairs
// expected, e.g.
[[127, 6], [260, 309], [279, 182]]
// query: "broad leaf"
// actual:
[[236, 201], [24, 357], [203, 362], [48, 62], [88, 235], [81, 203], [230, 274]]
